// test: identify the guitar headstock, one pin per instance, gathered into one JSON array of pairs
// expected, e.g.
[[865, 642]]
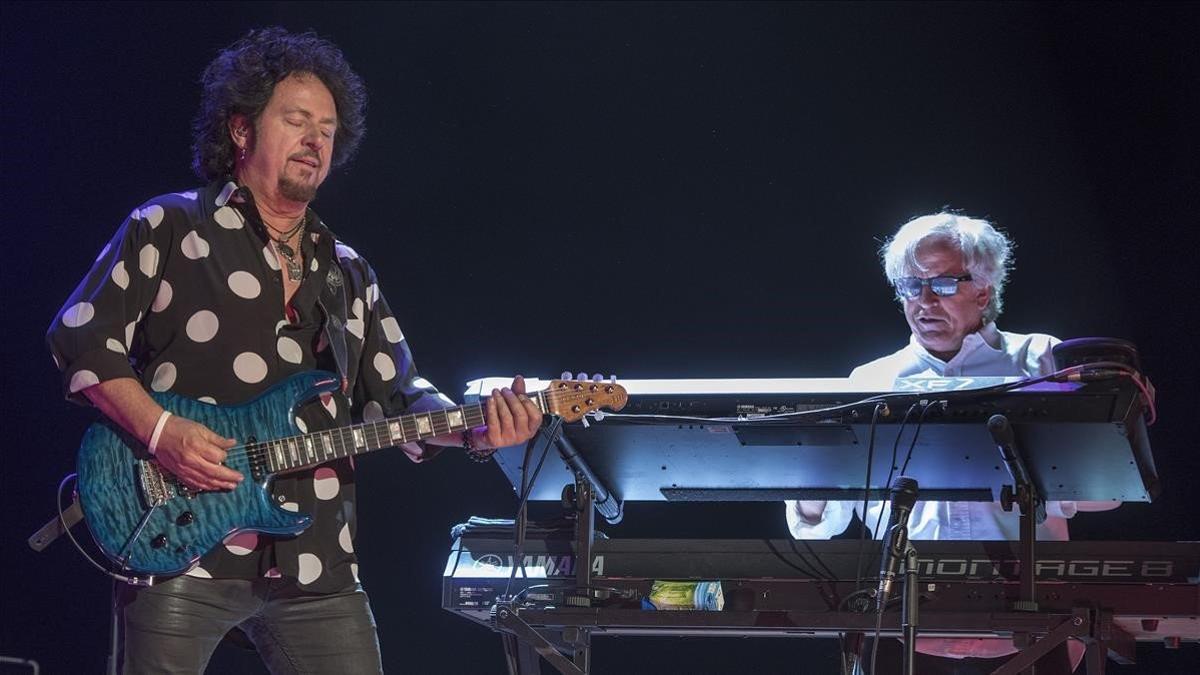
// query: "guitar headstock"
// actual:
[[572, 399]]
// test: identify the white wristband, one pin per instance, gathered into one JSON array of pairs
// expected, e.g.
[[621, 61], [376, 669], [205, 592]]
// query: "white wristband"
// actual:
[[158, 427]]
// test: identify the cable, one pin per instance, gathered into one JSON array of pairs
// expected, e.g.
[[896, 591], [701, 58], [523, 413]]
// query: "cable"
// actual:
[[875, 639], [916, 433], [891, 468], [134, 581], [866, 495], [550, 433]]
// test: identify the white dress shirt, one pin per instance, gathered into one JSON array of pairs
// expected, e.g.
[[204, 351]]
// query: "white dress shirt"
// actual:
[[986, 353]]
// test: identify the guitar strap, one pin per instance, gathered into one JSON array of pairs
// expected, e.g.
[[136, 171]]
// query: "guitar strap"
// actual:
[[333, 304]]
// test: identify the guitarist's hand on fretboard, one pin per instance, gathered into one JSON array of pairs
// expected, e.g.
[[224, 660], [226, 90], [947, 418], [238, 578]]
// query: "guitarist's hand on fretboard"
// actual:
[[511, 418], [194, 453]]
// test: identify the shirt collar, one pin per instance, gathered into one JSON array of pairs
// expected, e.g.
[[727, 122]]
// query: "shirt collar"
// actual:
[[234, 195], [225, 193]]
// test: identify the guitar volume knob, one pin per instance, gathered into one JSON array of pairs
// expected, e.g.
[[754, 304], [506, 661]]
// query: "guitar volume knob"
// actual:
[[186, 518], [159, 541]]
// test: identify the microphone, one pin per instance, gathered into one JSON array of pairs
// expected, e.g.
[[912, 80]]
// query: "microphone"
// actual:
[[895, 542]]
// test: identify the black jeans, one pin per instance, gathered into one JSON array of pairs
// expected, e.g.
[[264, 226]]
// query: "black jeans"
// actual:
[[174, 626]]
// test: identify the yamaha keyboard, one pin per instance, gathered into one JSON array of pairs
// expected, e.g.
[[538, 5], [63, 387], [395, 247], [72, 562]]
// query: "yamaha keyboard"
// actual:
[[1147, 590], [775, 439]]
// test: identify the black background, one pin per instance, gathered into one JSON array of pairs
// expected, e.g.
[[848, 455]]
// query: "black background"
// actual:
[[652, 190]]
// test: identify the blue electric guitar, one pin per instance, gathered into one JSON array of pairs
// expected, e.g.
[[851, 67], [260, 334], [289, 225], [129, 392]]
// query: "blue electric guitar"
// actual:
[[147, 522]]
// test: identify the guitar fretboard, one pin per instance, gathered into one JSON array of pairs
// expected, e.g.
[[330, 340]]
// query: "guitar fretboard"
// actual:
[[305, 450]]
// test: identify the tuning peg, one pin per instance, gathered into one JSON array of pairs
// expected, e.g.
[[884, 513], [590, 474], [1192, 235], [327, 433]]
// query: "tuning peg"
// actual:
[[597, 378], [612, 379], [566, 375], [582, 376]]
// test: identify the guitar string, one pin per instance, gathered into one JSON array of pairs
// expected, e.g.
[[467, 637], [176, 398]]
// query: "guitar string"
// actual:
[[259, 451]]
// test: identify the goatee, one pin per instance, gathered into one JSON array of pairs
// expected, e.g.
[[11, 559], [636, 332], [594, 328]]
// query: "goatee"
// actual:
[[296, 192]]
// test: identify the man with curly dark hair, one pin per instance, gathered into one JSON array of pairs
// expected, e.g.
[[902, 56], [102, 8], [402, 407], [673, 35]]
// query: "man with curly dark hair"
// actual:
[[217, 294]]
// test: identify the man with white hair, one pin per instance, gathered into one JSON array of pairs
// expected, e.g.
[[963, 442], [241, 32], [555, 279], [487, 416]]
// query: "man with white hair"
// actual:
[[948, 272]]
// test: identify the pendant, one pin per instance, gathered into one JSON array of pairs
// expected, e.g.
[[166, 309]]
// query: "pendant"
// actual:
[[295, 272]]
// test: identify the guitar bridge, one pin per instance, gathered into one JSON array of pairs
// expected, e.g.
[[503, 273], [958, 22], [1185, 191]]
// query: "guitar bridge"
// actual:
[[155, 489]]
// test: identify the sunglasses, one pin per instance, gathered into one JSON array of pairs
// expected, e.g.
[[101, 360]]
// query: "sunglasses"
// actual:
[[910, 287]]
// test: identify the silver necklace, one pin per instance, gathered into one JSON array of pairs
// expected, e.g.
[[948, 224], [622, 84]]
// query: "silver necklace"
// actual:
[[294, 270]]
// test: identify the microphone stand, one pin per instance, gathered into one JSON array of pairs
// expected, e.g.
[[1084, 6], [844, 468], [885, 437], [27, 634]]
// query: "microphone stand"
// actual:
[[908, 611]]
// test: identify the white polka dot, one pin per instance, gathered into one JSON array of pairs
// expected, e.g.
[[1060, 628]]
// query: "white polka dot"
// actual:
[[385, 366], [129, 328], [164, 377], [244, 285], [372, 412], [228, 218], [325, 483], [189, 195], [153, 215], [355, 328], [344, 539], [273, 573], [115, 345], [280, 324], [344, 251], [301, 426], [313, 265], [289, 350], [423, 383], [250, 367], [202, 326], [135, 214], [119, 276], [82, 379], [57, 363], [148, 260], [199, 572], [271, 258], [290, 506], [104, 251], [354, 571], [391, 330], [310, 568], [163, 297], [357, 308], [207, 399], [194, 246], [444, 398], [372, 295], [78, 314], [242, 543]]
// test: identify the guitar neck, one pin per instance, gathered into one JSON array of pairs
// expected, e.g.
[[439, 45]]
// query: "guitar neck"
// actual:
[[310, 449]]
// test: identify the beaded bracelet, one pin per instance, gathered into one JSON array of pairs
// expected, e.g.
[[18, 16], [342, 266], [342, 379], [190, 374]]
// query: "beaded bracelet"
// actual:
[[477, 455]]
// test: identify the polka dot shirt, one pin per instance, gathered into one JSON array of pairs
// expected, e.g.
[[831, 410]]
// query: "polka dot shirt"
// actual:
[[187, 298]]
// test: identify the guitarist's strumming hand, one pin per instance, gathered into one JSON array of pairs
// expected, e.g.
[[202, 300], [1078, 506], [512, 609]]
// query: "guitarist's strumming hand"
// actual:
[[194, 453], [189, 450]]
